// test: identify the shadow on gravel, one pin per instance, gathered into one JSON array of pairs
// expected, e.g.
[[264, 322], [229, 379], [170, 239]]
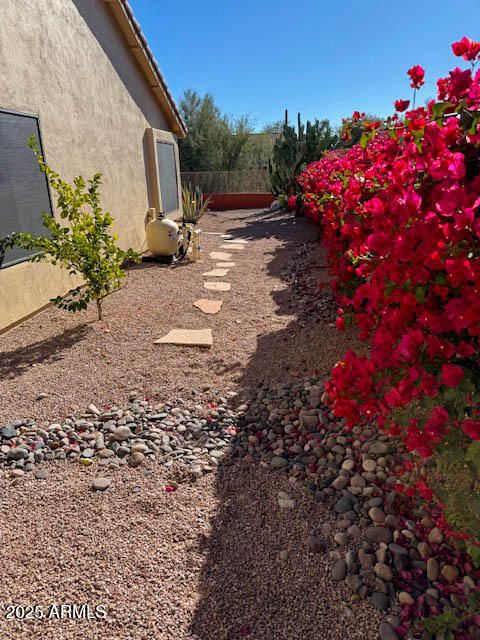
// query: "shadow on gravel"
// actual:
[[14, 363], [259, 580], [307, 345], [275, 224]]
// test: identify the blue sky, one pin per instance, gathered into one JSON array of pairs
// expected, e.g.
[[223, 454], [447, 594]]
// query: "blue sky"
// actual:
[[324, 59]]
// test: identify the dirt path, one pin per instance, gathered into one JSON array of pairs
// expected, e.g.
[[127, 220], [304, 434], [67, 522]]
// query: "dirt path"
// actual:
[[69, 361], [217, 559]]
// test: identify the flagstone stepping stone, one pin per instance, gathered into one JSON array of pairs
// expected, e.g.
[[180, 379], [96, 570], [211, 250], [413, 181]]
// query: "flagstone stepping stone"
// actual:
[[208, 306], [217, 286], [232, 246], [224, 265], [216, 273], [227, 236], [214, 233], [219, 255], [236, 240], [192, 337]]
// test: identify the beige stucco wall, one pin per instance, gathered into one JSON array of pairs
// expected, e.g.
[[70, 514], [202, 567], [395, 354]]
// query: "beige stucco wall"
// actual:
[[68, 62]]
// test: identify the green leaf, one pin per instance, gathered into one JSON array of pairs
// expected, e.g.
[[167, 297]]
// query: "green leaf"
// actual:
[[449, 394], [420, 294], [473, 455], [364, 140], [403, 419], [473, 127], [438, 110], [474, 552], [440, 278], [443, 623]]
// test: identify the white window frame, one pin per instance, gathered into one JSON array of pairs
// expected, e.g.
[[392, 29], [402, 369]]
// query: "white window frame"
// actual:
[[154, 136]]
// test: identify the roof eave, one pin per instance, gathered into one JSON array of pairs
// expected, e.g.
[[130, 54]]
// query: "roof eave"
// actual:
[[139, 47]]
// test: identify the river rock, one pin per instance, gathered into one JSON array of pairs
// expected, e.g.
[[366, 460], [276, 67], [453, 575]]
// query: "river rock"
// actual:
[[435, 536], [383, 571], [101, 483], [376, 514], [339, 570], [8, 432], [136, 459], [369, 465], [18, 453], [316, 544], [450, 573], [380, 600], [278, 462], [405, 598], [285, 500], [378, 534], [344, 504], [433, 569], [387, 632], [122, 433]]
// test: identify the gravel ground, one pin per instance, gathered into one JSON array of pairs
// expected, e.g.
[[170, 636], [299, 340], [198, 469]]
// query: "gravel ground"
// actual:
[[68, 361], [216, 559], [262, 580], [137, 553]]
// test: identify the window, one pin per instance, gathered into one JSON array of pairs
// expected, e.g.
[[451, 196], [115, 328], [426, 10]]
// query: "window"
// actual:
[[24, 193], [165, 171]]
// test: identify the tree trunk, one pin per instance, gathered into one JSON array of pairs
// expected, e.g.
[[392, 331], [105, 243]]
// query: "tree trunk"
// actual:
[[99, 309]]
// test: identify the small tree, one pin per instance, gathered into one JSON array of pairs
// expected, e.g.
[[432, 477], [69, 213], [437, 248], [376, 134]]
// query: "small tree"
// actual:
[[234, 142], [215, 141], [86, 245]]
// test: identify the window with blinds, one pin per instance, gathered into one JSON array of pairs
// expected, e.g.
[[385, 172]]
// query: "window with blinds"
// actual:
[[167, 173], [24, 193], [164, 171]]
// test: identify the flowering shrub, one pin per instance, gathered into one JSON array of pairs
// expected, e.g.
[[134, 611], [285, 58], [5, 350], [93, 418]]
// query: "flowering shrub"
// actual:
[[401, 221], [294, 203]]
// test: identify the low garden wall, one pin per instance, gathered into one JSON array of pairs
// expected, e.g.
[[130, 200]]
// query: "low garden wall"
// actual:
[[224, 201], [233, 189]]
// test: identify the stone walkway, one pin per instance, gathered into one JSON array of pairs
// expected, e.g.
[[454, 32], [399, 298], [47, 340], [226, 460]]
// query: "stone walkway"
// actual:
[[204, 337]]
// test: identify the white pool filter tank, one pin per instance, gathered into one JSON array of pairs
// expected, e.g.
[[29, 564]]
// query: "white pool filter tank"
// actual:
[[163, 236], [169, 243]]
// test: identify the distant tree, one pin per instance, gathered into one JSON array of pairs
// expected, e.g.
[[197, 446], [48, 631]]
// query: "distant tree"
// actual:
[[258, 150], [200, 150], [239, 131], [214, 141], [275, 127]]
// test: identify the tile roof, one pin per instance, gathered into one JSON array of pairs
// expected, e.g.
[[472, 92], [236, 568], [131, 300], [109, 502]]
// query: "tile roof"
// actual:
[[139, 46]]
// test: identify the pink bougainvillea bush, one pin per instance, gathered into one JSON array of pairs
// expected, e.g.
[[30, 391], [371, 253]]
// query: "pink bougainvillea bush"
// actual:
[[400, 214]]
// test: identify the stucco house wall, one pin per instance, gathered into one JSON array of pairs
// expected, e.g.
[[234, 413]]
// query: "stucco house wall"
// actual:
[[69, 62]]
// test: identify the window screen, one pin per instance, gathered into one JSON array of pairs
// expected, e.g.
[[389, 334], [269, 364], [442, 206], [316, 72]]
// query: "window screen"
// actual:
[[23, 187], [167, 174]]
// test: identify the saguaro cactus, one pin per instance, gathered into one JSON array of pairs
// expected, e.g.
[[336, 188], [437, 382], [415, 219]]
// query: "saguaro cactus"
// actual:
[[296, 148]]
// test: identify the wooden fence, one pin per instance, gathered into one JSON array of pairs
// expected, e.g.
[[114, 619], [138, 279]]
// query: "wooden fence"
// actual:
[[251, 181]]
